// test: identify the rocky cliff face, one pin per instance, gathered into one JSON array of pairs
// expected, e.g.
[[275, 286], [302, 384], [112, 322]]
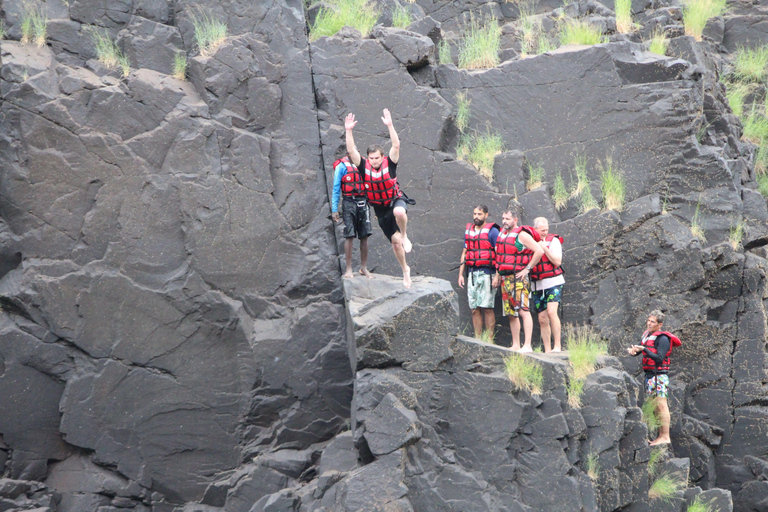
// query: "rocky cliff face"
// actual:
[[174, 329]]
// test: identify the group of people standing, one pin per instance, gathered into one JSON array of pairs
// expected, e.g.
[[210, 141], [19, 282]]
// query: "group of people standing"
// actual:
[[526, 263]]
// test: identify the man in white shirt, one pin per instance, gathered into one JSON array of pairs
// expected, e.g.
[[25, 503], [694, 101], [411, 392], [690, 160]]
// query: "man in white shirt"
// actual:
[[547, 284]]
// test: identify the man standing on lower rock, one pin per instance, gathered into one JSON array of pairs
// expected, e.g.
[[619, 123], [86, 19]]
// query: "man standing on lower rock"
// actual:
[[517, 251], [348, 183], [547, 284], [656, 346], [479, 256], [379, 174]]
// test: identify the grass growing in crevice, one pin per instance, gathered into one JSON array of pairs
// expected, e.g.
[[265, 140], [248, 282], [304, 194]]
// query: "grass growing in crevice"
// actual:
[[581, 32], [658, 42], [480, 149], [488, 336], [582, 190], [736, 234], [650, 415], [401, 17], [762, 184], [108, 53], [2, 30], [535, 176], [699, 506], [179, 66], [444, 53], [696, 228], [533, 42], [755, 126], [462, 111], [735, 93], [593, 466], [751, 65], [658, 454], [524, 372], [613, 186], [480, 47], [210, 32], [665, 487], [34, 23], [696, 13], [584, 347], [623, 10], [559, 192], [358, 14]]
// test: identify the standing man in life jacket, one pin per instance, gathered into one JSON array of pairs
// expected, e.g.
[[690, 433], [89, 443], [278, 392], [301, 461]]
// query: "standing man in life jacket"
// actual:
[[656, 346], [547, 282], [517, 252], [348, 183], [379, 174], [479, 256]]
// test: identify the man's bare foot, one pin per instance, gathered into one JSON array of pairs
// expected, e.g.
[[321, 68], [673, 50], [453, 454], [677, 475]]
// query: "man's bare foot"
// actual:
[[525, 349], [407, 277], [515, 348], [365, 272], [557, 349], [407, 245], [660, 440], [348, 274]]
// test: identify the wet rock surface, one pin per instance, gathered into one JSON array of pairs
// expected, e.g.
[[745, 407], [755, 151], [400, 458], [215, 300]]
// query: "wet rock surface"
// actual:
[[175, 335]]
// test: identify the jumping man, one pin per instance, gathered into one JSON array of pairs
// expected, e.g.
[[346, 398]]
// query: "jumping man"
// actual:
[[379, 174]]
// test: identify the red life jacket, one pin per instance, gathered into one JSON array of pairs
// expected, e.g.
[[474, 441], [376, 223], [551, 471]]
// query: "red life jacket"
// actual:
[[509, 259], [648, 341], [380, 188], [352, 182], [545, 268], [480, 252]]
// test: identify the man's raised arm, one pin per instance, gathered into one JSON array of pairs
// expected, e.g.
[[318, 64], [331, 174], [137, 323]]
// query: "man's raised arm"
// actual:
[[394, 151], [354, 154]]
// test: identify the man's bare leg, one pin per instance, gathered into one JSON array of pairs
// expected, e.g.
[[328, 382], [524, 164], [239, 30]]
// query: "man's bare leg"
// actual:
[[401, 216], [554, 321], [514, 326], [477, 322], [364, 258], [546, 331], [528, 327], [397, 247], [662, 408], [489, 316], [348, 256]]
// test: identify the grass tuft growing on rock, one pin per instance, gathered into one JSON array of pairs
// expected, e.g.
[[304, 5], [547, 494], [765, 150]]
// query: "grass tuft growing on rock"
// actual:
[[665, 487], [2, 30], [34, 23], [535, 176], [480, 149], [559, 192], [401, 17], [480, 47], [524, 372], [650, 416], [623, 9], [444, 53], [488, 336], [762, 184], [529, 26], [358, 14], [751, 65], [696, 13], [179, 66], [755, 126], [736, 234], [735, 93], [696, 228], [658, 42], [613, 186], [582, 190], [658, 453], [699, 506], [462, 111], [584, 347], [210, 32], [580, 32], [593, 466], [108, 53]]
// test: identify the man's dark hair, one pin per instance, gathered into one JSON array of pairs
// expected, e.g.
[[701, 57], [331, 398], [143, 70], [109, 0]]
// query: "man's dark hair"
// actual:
[[374, 148], [482, 208], [658, 315]]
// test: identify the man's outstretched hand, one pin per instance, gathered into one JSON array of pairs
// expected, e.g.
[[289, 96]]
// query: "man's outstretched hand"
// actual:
[[387, 117], [350, 122]]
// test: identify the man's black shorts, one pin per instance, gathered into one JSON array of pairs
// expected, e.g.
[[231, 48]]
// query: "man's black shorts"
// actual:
[[357, 218], [386, 216]]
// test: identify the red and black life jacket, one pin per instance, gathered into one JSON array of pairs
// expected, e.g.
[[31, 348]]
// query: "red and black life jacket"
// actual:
[[510, 259], [545, 268], [379, 186], [480, 252], [352, 182], [648, 341]]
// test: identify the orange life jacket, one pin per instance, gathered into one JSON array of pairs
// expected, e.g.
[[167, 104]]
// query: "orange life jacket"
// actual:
[[480, 252], [545, 268], [380, 188]]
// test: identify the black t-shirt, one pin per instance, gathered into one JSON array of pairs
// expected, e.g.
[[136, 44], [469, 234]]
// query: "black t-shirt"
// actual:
[[392, 168]]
